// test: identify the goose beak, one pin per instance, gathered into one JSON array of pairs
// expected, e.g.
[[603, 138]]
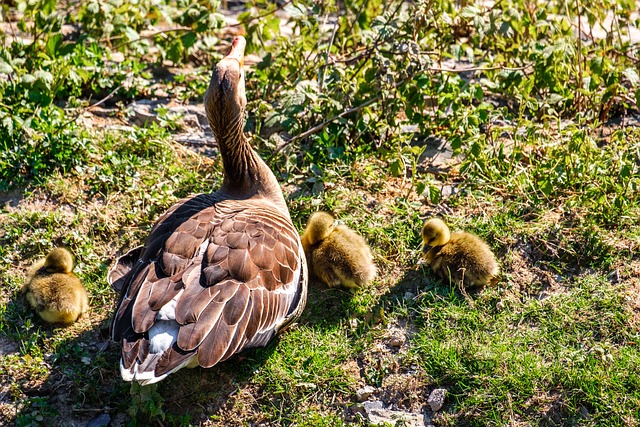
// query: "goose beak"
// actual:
[[425, 248], [237, 50]]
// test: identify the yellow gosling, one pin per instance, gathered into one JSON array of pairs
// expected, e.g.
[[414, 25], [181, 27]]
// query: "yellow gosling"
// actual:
[[336, 254], [460, 257], [53, 291]]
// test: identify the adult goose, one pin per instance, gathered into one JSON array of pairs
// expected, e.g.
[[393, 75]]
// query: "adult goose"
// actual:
[[219, 272]]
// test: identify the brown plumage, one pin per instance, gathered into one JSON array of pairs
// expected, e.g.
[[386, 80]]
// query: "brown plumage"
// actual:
[[54, 291], [460, 257], [219, 272], [336, 254]]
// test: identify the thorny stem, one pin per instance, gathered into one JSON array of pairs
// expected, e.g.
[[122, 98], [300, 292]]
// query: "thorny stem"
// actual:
[[578, 94]]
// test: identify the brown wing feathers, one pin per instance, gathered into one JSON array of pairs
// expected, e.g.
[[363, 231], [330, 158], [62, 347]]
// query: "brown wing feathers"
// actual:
[[227, 301]]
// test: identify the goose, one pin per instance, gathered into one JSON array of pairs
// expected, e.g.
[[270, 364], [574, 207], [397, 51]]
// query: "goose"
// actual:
[[54, 291], [336, 254], [220, 272], [460, 257]]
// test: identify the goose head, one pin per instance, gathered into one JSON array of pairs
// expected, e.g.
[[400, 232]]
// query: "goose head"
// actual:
[[225, 99], [434, 233]]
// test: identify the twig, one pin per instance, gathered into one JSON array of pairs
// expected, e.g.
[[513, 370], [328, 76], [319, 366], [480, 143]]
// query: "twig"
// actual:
[[465, 70], [614, 51], [88, 108], [378, 39], [282, 6], [328, 52], [105, 409], [578, 94], [105, 99], [356, 17], [144, 36]]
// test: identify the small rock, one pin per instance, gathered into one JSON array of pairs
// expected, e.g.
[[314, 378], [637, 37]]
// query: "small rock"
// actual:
[[436, 399], [448, 190], [143, 112], [191, 121], [8, 346], [86, 360], [377, 414], [364, 393], [396, 338], [373, 406], [101, 420], [358, 408]]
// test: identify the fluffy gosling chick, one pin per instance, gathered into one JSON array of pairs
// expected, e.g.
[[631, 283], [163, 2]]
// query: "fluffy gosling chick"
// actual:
[[336, 254], [460, 257], [54, 291]]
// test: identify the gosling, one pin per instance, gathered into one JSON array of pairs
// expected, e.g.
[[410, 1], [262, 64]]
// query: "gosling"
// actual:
[[336, 254], [460, 257], [52, 289]]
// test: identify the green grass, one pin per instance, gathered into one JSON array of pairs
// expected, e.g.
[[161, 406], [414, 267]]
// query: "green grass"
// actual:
[[576, 346]]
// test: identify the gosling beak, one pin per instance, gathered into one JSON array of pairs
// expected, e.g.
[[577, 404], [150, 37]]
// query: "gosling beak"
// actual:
[[425, 248], [237, 50]]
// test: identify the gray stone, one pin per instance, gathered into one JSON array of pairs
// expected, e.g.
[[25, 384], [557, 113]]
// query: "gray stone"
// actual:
[[377, 414], [364, 393], [101, 420], [143, 112], [436, 399], [396, 338]]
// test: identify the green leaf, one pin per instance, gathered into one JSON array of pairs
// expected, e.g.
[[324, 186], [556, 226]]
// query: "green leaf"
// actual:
[[632, 75], [189, 39], [28, 78], [174, 53], [53, 44], [397, 167], [131, 34], [7, 122], [546, 187], [5, 68], [45, 76], [318, 188], [625, 172]]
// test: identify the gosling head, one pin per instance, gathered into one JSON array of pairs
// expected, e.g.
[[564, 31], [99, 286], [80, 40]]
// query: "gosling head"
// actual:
[[59, 260], [434, 233], [225, 99], [320, 225]]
